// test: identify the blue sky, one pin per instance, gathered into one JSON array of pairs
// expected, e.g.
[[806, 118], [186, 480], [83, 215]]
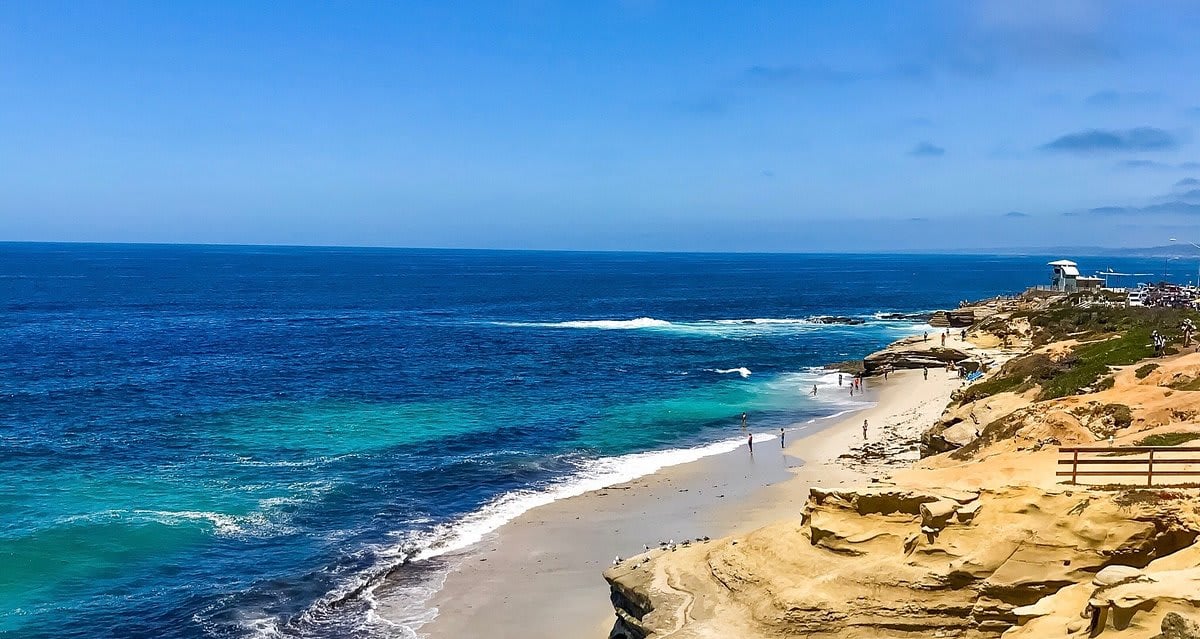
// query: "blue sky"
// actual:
[[769, 126]]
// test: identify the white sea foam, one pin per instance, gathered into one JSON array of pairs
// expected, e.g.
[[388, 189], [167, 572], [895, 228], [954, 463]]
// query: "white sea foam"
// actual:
[[639, 322], [733, 328], [466, 531], [406, 607], [222, 524]]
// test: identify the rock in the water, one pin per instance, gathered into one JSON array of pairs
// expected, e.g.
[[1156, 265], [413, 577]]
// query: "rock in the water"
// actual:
[[837, 319]]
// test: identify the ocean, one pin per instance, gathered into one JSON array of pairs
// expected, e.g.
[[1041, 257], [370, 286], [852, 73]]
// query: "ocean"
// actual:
[[211, 441]]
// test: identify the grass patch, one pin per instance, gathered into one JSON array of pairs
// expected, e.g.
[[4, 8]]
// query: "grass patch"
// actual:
[[1088, 362], [1111, 337], [1187, 385], [1064, 321], [1147, 497], [1144, 370], [1168, 439]]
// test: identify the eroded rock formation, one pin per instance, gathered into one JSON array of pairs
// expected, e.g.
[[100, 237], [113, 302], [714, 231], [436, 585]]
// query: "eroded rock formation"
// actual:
[[894, 562]]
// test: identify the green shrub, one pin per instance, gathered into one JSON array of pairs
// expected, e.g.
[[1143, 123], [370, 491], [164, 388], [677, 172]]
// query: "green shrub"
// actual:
[[1187, 385], [1121, 416], [1168, 439], [1088, 362], [1144, 371]]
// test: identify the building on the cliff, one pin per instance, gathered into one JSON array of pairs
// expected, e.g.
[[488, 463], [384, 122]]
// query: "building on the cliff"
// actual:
[[1065, 276]]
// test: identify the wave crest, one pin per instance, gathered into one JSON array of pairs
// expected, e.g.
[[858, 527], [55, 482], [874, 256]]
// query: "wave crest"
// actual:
[[731, 328]]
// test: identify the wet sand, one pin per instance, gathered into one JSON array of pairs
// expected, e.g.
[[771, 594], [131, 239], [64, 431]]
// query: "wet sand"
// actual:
[[540, 575]]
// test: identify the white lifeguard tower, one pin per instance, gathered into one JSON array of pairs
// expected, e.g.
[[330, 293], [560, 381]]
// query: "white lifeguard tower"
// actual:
[[1065, 277]]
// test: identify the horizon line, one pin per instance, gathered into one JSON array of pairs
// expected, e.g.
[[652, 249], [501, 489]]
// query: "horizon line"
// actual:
[[998, 251]]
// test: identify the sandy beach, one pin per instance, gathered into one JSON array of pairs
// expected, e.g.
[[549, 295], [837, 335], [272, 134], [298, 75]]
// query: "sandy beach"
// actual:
[[541, 573]]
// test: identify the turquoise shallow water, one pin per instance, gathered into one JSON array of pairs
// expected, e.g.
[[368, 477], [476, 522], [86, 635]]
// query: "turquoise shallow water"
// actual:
[[240, 441]]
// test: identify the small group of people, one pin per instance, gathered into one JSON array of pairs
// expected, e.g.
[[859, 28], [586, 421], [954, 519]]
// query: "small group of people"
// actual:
[[1160, 343], [750, 436], [855, 384]]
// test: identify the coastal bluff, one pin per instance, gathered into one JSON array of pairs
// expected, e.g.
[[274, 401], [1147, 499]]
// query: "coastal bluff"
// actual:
[[976, 537], [892, 562]]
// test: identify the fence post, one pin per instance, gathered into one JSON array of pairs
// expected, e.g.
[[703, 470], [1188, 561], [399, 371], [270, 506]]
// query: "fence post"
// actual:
[[1075, 468], [1150, 470]]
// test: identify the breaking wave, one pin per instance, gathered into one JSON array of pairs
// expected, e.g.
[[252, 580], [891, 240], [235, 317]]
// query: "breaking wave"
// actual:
[[733, 328]]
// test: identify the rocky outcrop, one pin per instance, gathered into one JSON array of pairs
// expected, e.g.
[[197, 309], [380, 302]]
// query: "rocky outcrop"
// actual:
[[959, 318], [892, 562], [1159, 601], [913, 352], [837, 319]]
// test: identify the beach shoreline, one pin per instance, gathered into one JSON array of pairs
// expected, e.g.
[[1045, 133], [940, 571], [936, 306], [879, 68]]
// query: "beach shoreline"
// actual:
[[541, 572]]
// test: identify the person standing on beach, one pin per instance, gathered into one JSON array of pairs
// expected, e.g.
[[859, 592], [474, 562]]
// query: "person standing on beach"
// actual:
[[925, 371], [926, 336], [864, 430], [781, 437], [750, 442], [943, 339], [839, 379]]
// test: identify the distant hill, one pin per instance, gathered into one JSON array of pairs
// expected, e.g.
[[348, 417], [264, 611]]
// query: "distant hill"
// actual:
[[1169, 250]]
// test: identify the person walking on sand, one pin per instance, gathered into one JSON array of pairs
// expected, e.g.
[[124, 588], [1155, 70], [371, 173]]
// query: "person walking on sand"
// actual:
[[781, 437], [925, 371], [864, 430], [943, 339], [926, 336], [750, 442]]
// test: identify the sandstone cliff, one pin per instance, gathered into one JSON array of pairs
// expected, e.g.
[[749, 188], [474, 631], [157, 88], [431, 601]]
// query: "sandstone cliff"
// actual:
[[977, 539]]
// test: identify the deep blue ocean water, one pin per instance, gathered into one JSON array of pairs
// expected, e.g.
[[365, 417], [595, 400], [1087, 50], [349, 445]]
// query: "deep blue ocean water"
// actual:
[[241, 441]]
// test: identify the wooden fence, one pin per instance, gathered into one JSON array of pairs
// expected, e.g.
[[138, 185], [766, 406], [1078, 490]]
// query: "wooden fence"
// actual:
[[1121, 463]]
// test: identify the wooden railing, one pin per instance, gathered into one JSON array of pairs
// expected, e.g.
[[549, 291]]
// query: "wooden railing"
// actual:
[[1146, 463]]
